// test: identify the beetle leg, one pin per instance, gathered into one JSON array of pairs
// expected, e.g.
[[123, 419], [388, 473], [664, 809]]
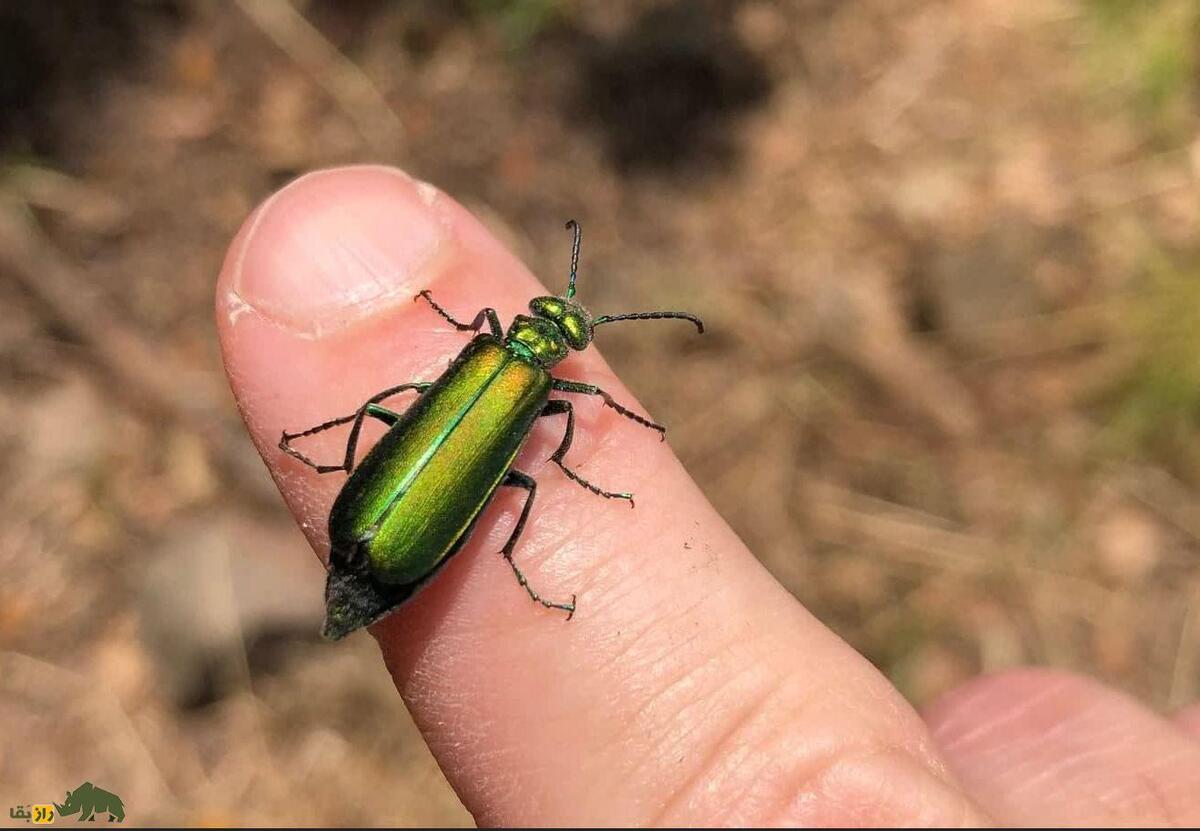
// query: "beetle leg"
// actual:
[[557, 407], [488, 314], [370, 408], [517, 479], [563, 385], [382, 413]]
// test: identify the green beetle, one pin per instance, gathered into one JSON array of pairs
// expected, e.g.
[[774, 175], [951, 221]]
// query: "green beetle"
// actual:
[[412, 501]]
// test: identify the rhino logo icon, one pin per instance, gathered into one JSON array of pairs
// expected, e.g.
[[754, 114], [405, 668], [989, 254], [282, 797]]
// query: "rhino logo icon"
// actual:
[[87, 800]]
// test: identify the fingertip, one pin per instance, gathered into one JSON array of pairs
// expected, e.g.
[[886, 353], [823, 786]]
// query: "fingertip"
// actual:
[[1042, 746], [955, 710], [333, 247], [311, 312]]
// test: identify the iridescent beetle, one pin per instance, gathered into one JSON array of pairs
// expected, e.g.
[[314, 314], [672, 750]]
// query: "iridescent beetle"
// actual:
[[412, 501]]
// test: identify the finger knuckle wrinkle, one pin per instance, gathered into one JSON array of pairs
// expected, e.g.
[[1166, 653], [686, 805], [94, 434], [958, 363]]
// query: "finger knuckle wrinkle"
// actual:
[[870, 784]]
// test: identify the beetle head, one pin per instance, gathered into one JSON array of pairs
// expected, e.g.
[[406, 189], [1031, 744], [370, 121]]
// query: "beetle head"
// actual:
[[572, 320], [559, 322]]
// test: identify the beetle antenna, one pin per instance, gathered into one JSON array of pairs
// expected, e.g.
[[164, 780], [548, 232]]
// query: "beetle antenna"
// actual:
[[572, 225], [651, 316]]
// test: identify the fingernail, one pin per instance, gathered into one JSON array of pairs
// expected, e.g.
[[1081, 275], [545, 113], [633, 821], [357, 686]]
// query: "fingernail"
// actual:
[[336, 247]]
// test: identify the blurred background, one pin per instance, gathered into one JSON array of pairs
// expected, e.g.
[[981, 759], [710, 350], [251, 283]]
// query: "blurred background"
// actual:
[[947, 254]]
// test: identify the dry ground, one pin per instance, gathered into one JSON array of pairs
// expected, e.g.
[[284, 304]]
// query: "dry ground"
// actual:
[[946, 253]]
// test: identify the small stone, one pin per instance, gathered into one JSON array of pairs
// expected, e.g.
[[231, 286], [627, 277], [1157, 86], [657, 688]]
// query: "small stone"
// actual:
[[932, 670], [65, 430], [1129, 544], [188, 467]]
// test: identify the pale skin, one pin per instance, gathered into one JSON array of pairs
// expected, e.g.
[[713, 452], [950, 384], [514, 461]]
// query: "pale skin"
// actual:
[[690, 688]]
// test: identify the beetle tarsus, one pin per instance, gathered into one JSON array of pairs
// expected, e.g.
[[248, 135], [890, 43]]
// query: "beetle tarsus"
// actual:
[[517, 479], [523, 581], [486, 314], [563, 385], [560, 406], [296, 454], [584, 483], [370, 408]]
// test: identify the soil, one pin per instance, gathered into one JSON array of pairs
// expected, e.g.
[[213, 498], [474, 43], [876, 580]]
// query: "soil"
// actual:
[[945, 264]]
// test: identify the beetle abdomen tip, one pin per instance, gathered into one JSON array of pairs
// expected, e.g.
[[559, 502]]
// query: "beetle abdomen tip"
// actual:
[[354, 599]]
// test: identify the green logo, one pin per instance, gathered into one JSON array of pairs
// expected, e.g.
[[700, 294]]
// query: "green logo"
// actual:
[[87, 800]]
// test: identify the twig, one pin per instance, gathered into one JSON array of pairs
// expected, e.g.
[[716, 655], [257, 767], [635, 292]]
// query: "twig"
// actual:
[[80, 203], [1126, 184], [1036, 335], [1166, 496], [862, 324], [242, 656], [905, 82], [907, 535], [1187, 659], [340, 77]]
